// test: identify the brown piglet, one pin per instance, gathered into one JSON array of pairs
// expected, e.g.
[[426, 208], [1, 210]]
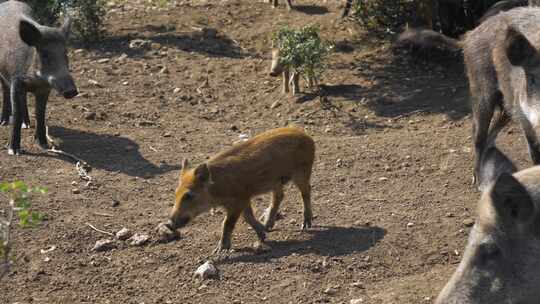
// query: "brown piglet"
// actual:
[[262, 164]]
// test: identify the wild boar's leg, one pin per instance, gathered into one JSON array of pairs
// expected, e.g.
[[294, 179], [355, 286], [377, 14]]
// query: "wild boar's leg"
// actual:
[[228, 226], [252, 221], [532, 139], [41, 107], [302, 182], [6, 105], [18, 104], [269, 217], [274, 3]]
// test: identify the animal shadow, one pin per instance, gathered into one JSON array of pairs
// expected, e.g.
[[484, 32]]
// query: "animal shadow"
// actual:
[[108, 152], [311, 9], [323, 241]]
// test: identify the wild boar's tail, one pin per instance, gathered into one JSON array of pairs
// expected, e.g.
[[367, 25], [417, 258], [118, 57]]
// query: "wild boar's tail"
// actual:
[[425, 40]]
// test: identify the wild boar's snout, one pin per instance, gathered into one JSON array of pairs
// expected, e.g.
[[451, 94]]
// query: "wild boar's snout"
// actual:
[[178, 221]]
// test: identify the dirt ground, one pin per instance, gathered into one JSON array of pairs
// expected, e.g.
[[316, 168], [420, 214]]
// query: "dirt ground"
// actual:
[[391, 184]]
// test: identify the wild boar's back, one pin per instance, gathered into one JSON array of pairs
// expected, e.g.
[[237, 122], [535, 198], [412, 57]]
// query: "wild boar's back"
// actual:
[[16, 57]]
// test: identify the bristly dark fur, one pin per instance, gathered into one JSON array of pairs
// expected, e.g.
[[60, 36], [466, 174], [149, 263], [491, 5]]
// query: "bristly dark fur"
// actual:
[[424, 40]]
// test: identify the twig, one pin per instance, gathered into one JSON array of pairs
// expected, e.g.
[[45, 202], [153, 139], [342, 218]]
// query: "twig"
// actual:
[[153, 149], [409, 114], [103, 214], [99, 230]]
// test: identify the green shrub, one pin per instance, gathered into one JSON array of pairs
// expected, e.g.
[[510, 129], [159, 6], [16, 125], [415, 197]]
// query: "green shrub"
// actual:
[[87, 15], [302, 50], [18, 196], [382, 15]]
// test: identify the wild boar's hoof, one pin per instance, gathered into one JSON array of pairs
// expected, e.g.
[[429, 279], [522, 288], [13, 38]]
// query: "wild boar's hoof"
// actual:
[[15, 152], [25, 125]]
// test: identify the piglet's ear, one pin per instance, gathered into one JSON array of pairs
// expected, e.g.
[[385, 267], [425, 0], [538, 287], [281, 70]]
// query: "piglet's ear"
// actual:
[[185, 164], [29, 33], [202, 174], [511, 200]]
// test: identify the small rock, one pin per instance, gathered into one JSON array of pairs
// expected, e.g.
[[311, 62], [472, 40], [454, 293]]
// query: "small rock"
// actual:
[[409, 225], [90, 115], [357, 301], [330, 291], [103, 245], [261, 247], [139, 44], [124, 234], [468, 222], [94, 83], [176, 90], [75, 191], [166, 234], [115, 203], [167, 134], [138, 239], [206, 271], [103, 60], [383, 179]]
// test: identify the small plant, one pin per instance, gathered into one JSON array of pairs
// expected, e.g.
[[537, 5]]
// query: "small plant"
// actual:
[[302, 51], [18, 196]]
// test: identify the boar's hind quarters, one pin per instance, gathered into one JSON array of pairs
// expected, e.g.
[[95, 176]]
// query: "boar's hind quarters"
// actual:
[[511, 200], [29, 33], [519, 50]]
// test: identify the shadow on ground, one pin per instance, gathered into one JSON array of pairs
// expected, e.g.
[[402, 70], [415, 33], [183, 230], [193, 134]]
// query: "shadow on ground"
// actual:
[[208, 43], [108, 152], [311, 9], [323, 241]]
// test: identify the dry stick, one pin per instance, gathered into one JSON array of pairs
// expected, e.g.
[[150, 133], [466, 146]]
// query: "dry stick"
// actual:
[[99, 230], [103, 214]]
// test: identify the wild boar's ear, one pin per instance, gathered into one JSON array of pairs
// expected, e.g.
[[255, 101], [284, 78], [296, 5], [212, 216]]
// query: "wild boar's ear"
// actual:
[[519, 50], [511, 200], [493, 164], [66, 27], [202, 174], [29, 33]]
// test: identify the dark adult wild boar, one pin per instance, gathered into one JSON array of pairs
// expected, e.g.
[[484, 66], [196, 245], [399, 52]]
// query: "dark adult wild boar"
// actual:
[[503, 66], [501, 263], [230, 179], [33, 59]]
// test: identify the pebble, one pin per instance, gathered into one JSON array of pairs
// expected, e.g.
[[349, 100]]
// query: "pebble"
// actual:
[[75, 191], [103, 245], [330, 291], [206, 271], [139, 44], [468, 222], [90, 115], [103, 60], [357, 301], [409, 225], [261, 247], [124, 234], [138, 239]]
